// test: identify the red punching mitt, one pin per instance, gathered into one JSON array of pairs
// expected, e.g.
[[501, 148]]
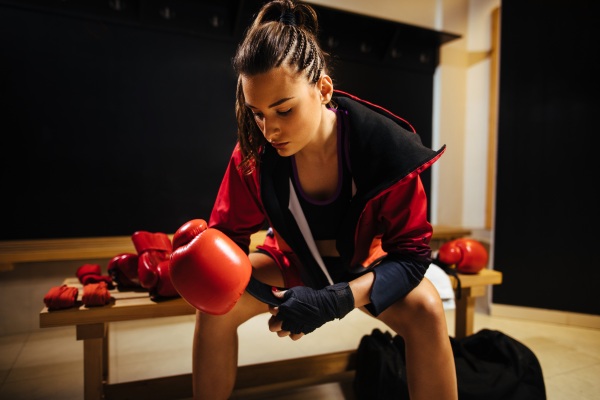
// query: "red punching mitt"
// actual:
[[468, 255], [208, 269]]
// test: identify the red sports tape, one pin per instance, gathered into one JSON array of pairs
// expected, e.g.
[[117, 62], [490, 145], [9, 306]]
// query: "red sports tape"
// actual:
[[95, 294], [59, 297]]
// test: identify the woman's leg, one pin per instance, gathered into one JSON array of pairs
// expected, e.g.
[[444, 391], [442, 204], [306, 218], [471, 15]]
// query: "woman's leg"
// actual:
[[215, 346], [420, 319]]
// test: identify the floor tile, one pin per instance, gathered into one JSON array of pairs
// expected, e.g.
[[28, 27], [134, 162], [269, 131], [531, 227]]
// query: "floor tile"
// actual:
[[48, 354], [581, 384], [62, 386], [10, 348]]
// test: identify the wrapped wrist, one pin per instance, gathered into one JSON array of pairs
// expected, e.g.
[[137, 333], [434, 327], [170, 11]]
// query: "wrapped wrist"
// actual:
[[304, 309], [343, 297]]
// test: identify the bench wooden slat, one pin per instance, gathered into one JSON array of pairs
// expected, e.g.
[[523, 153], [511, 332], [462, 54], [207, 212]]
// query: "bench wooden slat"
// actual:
[[123, 306], [483, 278]]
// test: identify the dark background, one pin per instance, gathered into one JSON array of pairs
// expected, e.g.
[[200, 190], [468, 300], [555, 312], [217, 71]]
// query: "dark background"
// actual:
[[545, 229], [120, 119]]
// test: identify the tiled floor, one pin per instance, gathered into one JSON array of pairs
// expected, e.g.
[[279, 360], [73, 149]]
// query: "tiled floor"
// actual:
[[47, 364]]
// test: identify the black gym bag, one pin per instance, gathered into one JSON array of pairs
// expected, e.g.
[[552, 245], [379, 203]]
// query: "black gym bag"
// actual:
[[490, 365]]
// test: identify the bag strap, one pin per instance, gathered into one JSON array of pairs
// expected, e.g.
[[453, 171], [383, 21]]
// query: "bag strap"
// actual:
[[450, 271]]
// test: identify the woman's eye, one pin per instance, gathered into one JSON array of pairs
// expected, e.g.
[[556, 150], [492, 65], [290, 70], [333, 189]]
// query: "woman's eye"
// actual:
[[285, 112], [258, 116]]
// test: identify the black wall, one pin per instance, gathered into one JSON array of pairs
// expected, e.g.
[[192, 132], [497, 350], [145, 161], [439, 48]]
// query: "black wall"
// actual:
[[117, 120], [546, 205]]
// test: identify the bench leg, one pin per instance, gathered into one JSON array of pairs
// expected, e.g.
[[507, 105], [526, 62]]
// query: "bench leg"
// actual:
[[105, 354], [465, 311], [95, 365], [463, 317]]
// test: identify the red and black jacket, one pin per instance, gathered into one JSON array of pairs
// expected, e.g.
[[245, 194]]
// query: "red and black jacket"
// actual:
[[386, 228]]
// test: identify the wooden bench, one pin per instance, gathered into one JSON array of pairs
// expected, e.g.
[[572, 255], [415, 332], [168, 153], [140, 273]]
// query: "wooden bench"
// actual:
[[92, 328], [92, 325]]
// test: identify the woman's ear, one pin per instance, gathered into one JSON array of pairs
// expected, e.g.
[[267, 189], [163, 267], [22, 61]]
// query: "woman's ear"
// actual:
[[325, 85]]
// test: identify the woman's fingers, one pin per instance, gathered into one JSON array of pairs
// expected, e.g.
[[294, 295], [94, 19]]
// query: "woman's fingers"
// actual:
[[275, 326], [275, 323]]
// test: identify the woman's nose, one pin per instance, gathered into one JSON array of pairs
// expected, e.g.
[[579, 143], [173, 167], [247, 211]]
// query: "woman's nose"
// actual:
[[270, 128]]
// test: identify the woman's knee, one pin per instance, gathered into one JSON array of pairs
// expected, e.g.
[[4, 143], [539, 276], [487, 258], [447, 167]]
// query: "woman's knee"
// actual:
[[420, 308]]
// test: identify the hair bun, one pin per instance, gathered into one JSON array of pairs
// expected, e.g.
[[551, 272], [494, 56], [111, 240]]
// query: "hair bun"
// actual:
[[288, 18]]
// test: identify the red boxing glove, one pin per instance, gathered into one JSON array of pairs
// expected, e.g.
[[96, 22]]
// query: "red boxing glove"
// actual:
[[123, 268], [468, 255], [164, 285], [208, 269], [154, 251]]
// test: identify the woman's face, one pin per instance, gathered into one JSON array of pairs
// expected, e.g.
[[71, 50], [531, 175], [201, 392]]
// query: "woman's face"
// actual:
[[287, 108]]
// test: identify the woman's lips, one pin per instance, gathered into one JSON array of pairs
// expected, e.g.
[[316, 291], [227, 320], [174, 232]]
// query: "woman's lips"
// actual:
[[279, 145]]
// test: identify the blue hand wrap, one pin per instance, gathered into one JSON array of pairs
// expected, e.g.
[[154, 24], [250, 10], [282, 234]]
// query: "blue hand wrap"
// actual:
[[304, 309]]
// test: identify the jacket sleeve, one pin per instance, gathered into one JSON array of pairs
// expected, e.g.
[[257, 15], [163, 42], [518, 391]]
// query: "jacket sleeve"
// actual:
[[238, 210], [401, 215]]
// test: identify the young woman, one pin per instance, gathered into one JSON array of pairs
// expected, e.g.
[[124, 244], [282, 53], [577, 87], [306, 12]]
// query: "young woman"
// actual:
[[337, 180]]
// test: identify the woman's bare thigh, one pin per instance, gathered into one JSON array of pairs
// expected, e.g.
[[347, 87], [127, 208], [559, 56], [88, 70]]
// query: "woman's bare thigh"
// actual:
[[265, 269]]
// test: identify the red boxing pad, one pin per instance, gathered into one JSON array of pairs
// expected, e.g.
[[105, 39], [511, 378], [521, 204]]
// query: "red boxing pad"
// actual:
[[468, 255], [207, 268]]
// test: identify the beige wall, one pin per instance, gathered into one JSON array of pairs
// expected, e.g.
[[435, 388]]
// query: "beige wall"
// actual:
[[461, 98], [415, 12]]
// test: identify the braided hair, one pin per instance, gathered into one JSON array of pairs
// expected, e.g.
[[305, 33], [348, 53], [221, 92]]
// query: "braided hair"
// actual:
[[284, 33]]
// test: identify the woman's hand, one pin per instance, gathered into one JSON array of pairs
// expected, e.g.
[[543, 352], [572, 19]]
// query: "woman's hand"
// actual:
[[275, 323], [304, 309]]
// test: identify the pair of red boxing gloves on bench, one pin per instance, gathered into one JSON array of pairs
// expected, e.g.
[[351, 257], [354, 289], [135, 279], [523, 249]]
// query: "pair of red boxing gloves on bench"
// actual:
[[202, 265], [208, 265], [148, 268]]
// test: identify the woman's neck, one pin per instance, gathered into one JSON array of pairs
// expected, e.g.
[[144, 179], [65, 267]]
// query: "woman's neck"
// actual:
[[324, 145]]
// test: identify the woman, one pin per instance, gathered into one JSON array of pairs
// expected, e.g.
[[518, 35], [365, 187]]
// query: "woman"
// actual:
[[337, 180]]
